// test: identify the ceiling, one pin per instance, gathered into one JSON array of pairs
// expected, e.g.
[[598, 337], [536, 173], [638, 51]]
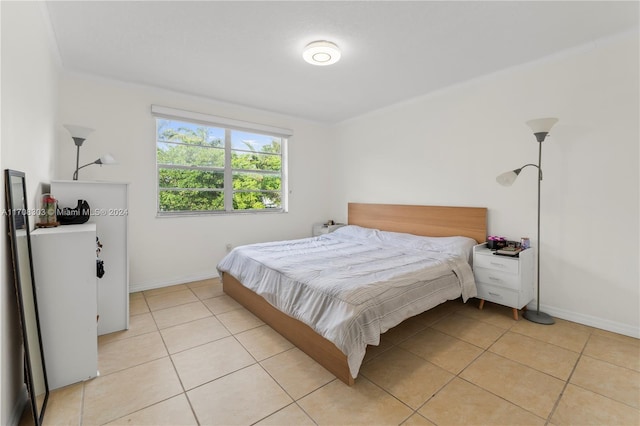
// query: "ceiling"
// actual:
[[250, 53]]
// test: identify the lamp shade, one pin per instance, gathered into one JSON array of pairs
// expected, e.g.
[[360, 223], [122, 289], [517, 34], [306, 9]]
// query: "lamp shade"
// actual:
[[507, 178], [106, 159], [78, 131], [542, 125]]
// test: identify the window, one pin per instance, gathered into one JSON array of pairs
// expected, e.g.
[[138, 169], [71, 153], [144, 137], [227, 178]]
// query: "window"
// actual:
[[208, 164]]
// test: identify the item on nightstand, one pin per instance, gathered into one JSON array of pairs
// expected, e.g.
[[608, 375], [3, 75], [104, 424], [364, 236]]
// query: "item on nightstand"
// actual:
[[99, 262], [495, 243], [48, 212], [508, 251], [99, 268], [77, 215]]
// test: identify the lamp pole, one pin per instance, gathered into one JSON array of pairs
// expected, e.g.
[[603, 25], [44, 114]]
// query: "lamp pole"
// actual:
[[78, 141], [537, 316]]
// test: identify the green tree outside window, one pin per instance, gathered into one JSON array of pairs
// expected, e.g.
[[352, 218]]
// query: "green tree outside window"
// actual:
[[191, 168]]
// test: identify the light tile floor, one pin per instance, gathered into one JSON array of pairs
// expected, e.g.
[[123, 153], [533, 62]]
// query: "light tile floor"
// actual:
[[195, 356]]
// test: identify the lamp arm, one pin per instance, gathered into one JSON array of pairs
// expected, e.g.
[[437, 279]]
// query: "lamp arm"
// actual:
[[533, 165], [75, 174]]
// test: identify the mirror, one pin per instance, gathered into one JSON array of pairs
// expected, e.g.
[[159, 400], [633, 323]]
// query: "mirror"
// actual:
[[20, 243]]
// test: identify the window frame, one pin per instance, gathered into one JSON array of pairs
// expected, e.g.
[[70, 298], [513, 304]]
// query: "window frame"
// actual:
[[228, 125]]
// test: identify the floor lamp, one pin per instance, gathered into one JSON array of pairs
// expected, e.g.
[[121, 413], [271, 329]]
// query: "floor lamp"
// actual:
[[79, 135], [540, 127]]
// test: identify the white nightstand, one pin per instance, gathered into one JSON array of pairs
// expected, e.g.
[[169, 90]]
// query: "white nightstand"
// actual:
[[502, 279], [322, 228]]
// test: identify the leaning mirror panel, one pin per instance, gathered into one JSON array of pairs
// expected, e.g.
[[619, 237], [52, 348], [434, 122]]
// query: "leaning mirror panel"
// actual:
[[20, 243]]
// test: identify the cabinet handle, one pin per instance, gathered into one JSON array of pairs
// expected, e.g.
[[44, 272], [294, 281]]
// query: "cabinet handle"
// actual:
[[494, 294], [497, 264], [495, 279]]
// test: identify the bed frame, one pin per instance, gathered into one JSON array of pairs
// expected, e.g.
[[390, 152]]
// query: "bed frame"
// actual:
[[432, 221]]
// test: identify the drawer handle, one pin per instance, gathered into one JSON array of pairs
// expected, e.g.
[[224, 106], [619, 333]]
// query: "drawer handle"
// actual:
[[495, 279], [494, 294], [497, 264]]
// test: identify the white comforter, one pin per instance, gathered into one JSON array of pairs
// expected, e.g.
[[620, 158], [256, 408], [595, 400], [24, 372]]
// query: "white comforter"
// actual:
[[355, 283]]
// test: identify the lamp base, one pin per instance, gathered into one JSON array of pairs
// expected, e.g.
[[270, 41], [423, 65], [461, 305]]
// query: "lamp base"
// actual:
[[538, 317]]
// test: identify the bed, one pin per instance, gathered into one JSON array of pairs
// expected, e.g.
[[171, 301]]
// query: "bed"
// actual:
[[324, 297]]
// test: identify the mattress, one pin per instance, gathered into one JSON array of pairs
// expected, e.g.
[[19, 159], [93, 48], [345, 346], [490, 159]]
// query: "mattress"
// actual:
[[355, 283]]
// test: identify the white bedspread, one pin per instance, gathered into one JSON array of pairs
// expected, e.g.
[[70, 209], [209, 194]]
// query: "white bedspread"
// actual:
[[355, 283]]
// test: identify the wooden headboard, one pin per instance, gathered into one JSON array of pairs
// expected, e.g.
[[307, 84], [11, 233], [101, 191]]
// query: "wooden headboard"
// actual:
[[433, 221]]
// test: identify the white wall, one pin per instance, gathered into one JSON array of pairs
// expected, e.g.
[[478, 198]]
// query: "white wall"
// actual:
[[29, 90], [174, 250], [447, 149]]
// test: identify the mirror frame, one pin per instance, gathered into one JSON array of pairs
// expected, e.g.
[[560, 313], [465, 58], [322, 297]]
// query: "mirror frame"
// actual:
[[23, 212]]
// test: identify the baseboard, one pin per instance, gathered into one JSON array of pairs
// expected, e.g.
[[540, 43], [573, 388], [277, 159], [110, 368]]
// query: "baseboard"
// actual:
[[601, 323], [133, 288], [19, 406]]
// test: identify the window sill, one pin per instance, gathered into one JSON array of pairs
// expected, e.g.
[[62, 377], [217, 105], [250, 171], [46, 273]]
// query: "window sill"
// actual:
[[164, 215]]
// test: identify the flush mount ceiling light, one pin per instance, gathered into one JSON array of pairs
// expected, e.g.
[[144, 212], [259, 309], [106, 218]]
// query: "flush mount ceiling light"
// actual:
[[321, 53]]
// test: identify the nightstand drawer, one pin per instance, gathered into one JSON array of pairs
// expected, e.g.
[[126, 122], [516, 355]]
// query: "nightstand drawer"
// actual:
[[496, 277], [503, 296], [498, 263]]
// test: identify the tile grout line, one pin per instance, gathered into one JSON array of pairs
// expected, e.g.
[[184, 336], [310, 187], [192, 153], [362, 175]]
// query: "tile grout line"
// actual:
[[457, 375], [603, 395], [231, 334], [175, 370], [147, 362], [397, 345], [294, 400], [168, 355], [566, 384], [82, 403], [486, 390]]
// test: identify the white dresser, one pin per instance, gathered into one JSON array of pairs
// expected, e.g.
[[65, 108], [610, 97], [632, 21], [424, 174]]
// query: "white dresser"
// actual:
[[64, 267], [109, 204], [502, 279]]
